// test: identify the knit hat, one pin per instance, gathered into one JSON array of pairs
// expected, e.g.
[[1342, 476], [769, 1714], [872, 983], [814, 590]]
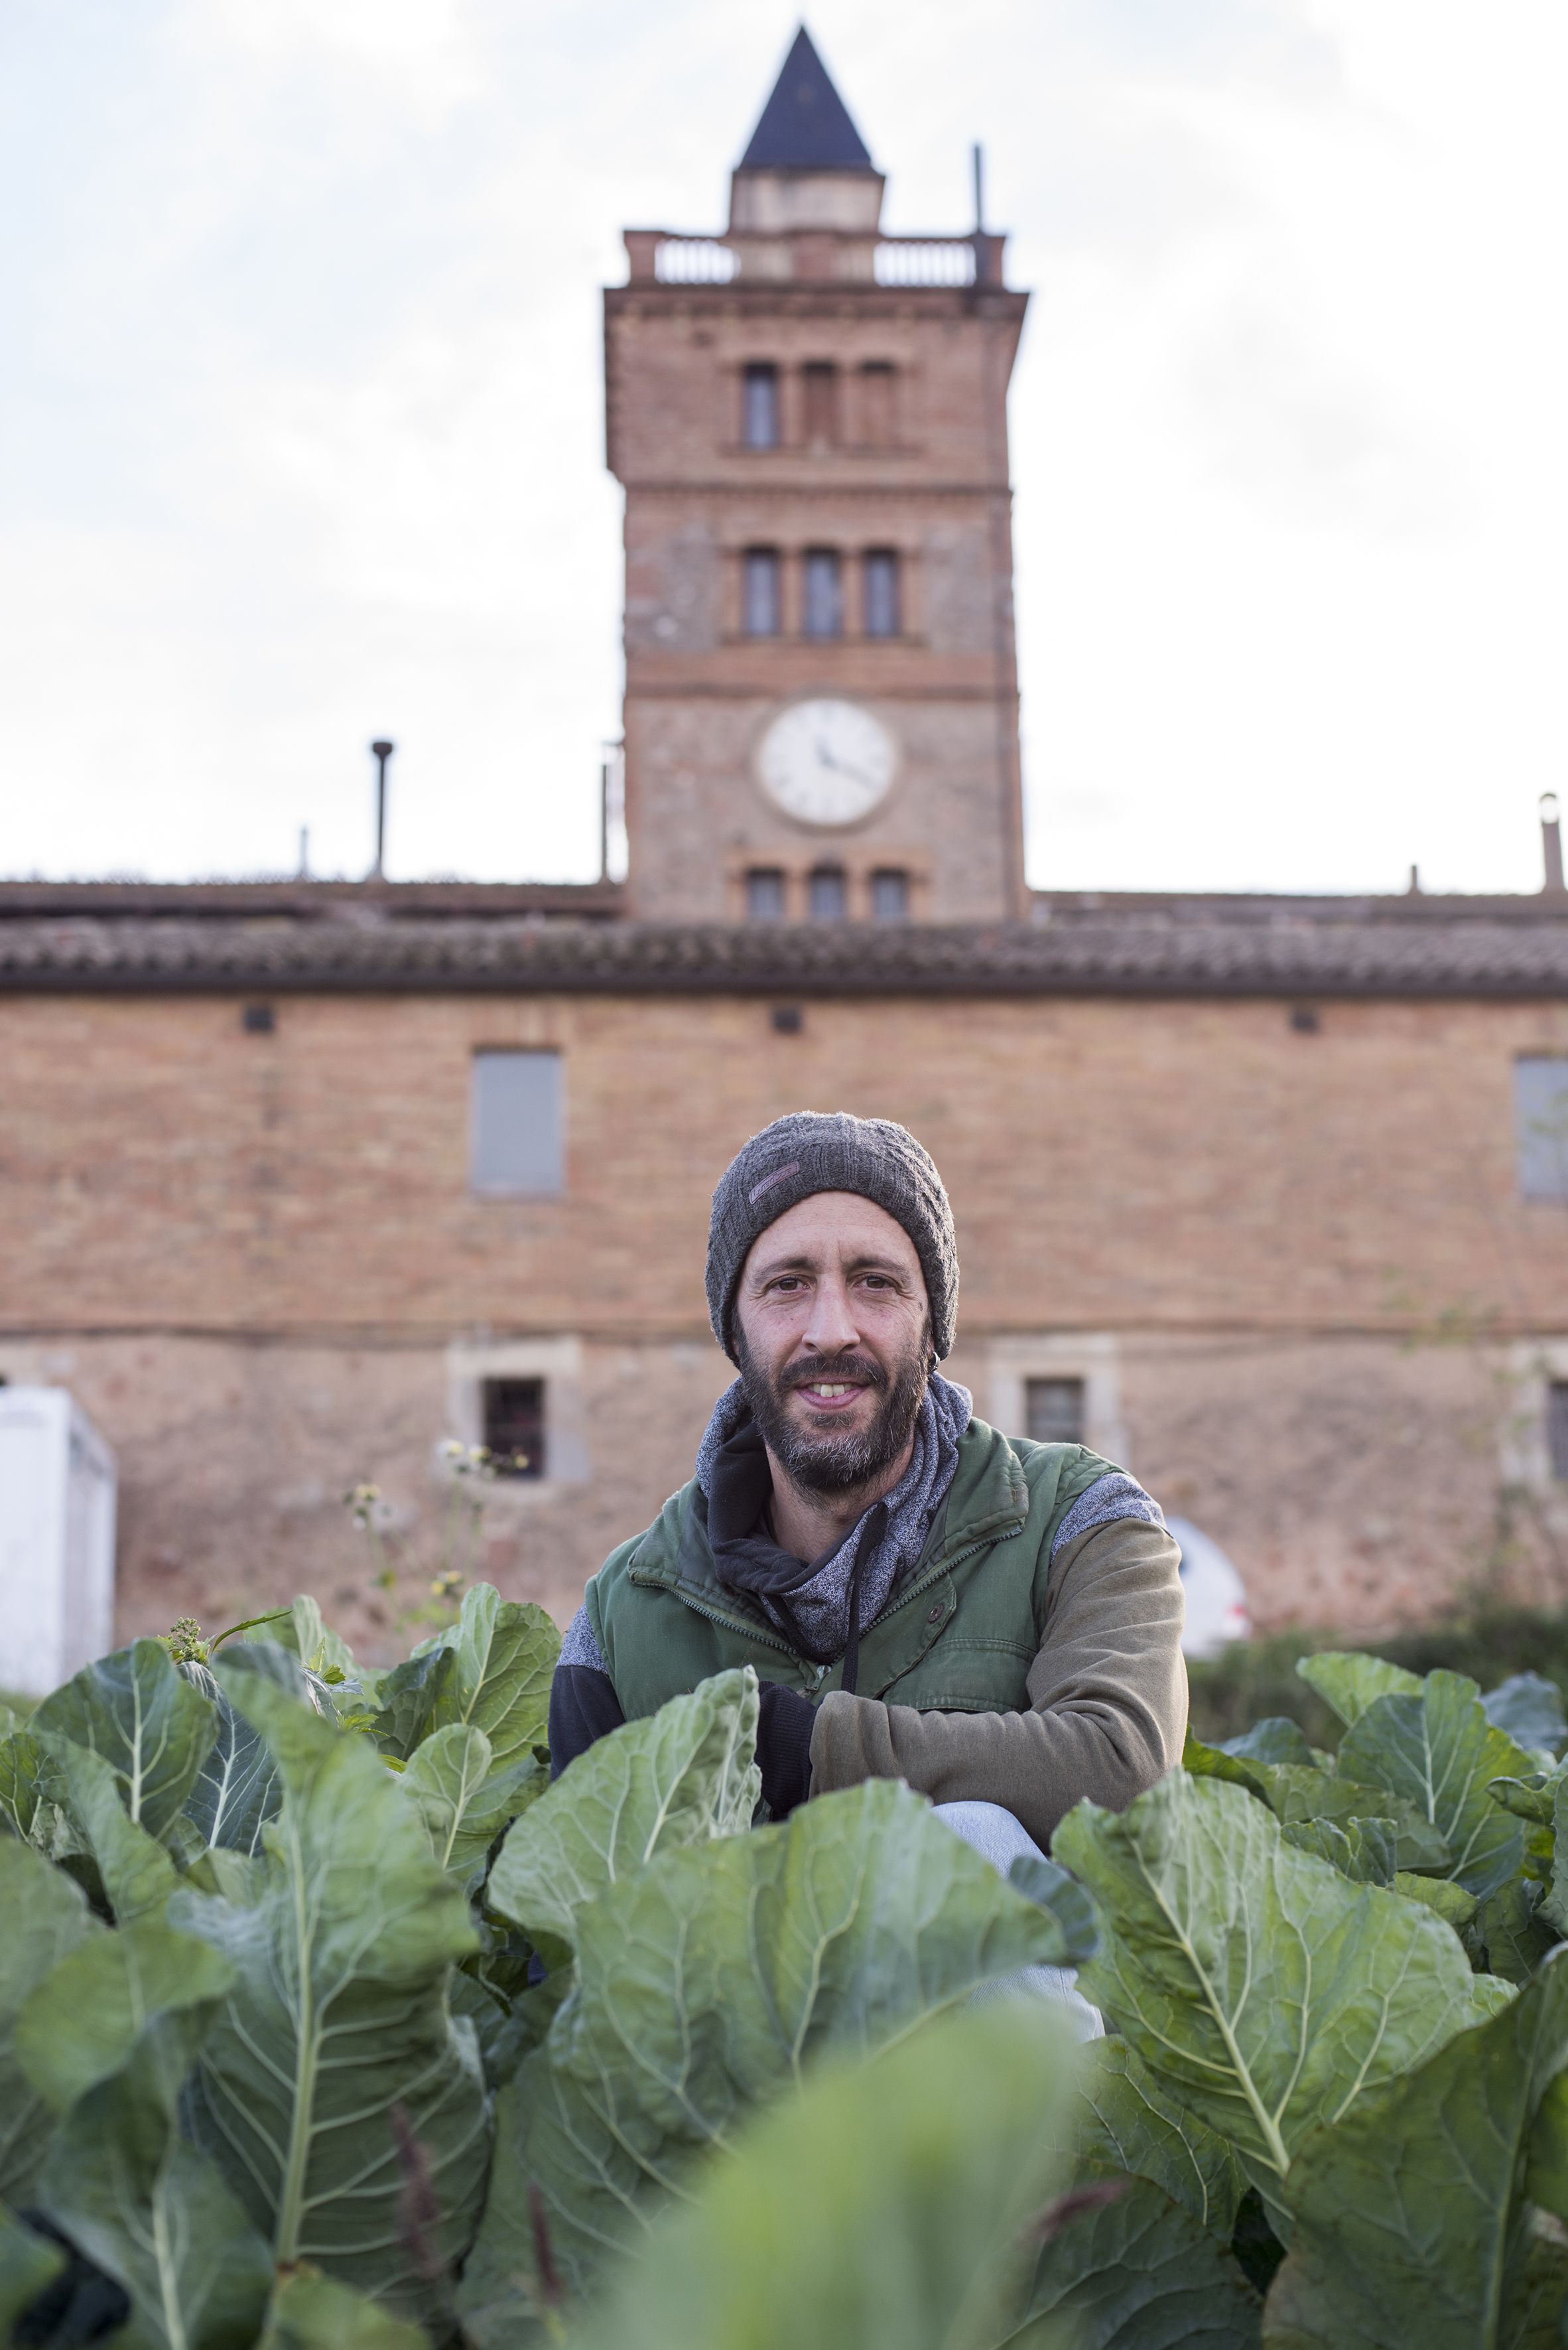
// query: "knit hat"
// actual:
[[808, 1152]]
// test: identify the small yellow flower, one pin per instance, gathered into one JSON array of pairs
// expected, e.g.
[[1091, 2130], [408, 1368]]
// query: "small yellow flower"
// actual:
[[185, 1642]]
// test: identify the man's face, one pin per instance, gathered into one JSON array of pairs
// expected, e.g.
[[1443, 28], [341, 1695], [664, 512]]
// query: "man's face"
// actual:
[[834, 1339]]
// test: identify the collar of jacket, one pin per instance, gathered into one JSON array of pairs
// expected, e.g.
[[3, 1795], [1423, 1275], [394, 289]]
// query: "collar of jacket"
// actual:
[[987, 1502]]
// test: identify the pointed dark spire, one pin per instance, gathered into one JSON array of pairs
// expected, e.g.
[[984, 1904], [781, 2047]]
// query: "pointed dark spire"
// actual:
[[805, 125]]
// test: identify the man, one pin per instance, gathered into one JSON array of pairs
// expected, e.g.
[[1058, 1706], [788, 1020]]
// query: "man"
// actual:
[[994, 1621]]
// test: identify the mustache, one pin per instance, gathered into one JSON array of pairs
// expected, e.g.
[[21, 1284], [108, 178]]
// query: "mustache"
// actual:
[[857, 1370]]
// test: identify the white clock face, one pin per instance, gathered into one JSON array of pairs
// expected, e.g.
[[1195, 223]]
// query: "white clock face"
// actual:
[[826, 762]]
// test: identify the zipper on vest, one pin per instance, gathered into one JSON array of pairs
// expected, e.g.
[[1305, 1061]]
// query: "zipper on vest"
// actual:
[[750, 1631]]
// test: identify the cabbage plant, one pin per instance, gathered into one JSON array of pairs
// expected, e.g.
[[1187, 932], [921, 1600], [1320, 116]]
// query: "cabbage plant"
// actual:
[[326, 2019]]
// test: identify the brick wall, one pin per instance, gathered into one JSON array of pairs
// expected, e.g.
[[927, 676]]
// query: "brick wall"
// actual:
[[1117, 1165], [251, 1257]]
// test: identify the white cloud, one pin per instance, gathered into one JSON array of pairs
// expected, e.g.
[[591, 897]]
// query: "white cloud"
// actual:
[[422, 48], [301, 436]]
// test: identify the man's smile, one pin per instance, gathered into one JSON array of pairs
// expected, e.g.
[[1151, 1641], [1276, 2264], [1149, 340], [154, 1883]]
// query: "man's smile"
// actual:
[[830, 1395]]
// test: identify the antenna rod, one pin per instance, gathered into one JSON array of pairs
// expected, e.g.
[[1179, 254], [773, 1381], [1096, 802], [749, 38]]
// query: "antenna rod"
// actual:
[[380, 752], [1552, 844], [977, 154]]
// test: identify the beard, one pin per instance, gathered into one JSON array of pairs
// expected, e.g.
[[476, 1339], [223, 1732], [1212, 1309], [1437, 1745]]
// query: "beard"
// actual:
[[831, 1461]]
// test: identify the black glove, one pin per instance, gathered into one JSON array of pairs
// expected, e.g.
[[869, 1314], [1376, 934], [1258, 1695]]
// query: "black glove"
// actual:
[[784, 1724]]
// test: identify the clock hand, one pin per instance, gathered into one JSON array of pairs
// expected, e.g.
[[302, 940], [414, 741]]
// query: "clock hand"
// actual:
[[825, 758]]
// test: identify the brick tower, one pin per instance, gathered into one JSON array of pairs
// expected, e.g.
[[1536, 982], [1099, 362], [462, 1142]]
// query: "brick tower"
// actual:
[[809, 419]]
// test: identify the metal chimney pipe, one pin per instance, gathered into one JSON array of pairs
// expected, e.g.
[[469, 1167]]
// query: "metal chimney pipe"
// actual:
[[380, 752], [1550, 844]]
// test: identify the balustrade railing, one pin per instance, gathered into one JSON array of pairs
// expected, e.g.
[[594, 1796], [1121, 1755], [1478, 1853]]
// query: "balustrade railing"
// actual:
[[695, 261], [924, 261], [896, 261]]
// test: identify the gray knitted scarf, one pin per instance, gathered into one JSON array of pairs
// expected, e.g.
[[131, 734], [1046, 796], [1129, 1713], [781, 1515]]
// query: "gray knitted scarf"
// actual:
[[809, 1599]]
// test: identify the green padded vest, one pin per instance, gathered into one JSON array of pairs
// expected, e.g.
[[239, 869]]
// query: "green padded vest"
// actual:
[[959, 1637]]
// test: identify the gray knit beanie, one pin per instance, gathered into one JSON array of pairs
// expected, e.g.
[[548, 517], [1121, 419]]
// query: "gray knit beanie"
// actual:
[[808, 1152]]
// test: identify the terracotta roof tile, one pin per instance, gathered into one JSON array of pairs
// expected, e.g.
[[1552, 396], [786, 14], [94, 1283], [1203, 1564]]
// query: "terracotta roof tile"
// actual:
[[1155, 946]]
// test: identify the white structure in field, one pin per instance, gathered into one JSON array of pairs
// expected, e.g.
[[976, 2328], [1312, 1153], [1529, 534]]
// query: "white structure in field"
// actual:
[[56, 1540], [1217, 1611]]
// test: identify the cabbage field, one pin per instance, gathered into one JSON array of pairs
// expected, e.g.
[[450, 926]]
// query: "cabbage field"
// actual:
[[327, 2024]]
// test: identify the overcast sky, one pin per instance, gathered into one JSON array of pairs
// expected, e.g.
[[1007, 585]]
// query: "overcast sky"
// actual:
[[301, 414]]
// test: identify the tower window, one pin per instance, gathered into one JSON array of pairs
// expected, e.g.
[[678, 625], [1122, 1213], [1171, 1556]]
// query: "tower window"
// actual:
[[1054, 1410], [824, 593], [765, 894], [889, 895], [760, 407], [1541, 1125], [877, 404], [881, 585], [514, 1427], [821, 402], [760, 592], [515, 1124], [828, 897]]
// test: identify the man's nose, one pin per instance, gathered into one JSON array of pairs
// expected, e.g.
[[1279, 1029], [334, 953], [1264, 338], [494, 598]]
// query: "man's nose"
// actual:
[[832, 1325]]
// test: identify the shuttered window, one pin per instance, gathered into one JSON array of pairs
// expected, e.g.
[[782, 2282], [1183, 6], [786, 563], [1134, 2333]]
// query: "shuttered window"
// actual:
[[876, 405], [760, 602], [827, 894], [881, 593], [821, 402], [890, 895], [517, 1136], [823, 594], [765, 894], [760, 407], [1541, 1125]]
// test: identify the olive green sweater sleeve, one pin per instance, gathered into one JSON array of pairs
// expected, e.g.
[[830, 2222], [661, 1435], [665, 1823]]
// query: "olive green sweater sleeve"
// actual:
[[1107, 1699]]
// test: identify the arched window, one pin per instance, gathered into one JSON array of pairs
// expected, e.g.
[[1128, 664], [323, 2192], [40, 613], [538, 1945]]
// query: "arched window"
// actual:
[[760, 599], [765, 894], [890, 895], [760, 406], [824, 593], [821, 402], [877, 429], [881, 615], [826, 895]]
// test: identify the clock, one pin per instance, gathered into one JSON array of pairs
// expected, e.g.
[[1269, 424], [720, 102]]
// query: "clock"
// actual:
[[826, 762]]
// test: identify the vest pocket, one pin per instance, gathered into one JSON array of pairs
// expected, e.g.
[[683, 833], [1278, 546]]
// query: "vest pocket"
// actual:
[[961, 1675]]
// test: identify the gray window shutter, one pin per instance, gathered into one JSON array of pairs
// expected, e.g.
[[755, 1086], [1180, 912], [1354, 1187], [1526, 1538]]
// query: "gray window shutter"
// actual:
[[518, 1124], [1541, 1126]]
